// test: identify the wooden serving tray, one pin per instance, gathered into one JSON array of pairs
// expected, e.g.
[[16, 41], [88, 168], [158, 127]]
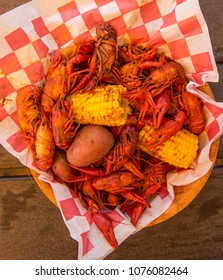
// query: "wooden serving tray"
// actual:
[[183, 194]]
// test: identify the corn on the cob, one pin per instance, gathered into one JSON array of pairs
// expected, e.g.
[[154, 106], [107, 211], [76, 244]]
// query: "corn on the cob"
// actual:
[[104, 105], [180, 150]]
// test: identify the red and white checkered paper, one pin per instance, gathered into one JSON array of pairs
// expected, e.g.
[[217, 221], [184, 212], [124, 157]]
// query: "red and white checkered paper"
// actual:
[[30, 32]]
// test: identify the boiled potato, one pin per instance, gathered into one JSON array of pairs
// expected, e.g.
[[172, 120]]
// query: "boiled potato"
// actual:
[[61, 167], [91, 144]]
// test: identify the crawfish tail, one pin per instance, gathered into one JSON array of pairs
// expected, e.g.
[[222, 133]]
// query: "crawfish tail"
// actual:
[[135, 197], [44, 144], [137, 212], [131, 167]]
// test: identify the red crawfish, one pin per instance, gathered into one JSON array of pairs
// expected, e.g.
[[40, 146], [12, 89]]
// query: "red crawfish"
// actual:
[[159, 80], [138, 52], [119, 182], [120, 155], [103, 222], [44, 146], [133, 74], [194, 111], [59, 78], [104, 55], [27, 103], [155, 172], [63, 126]]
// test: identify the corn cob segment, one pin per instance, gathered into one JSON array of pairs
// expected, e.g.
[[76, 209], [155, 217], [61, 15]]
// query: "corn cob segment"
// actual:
[[104, 105], [180, 150]]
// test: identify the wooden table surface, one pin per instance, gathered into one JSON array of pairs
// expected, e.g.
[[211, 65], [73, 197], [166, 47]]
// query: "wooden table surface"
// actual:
[[31, 227]]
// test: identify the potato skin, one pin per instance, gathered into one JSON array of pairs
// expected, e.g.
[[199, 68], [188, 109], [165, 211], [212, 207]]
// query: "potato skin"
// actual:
[[61, 167], [91, 144]]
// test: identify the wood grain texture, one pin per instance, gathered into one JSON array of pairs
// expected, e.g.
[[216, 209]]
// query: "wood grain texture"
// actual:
[[31, 227], [212, 11], [7, 160], [9, 5]]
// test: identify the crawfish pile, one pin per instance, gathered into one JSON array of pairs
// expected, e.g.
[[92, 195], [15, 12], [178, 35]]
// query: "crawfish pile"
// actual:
[[156, 91]]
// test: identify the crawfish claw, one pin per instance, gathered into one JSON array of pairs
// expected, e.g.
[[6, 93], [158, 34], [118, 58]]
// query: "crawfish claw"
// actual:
[[167, 130], [104, 224], [162, 103]]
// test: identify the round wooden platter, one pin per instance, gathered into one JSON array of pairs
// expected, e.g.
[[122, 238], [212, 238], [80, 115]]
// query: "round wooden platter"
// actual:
[[183, 194]]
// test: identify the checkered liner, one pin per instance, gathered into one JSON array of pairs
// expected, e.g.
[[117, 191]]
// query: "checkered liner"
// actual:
[[31, 31]]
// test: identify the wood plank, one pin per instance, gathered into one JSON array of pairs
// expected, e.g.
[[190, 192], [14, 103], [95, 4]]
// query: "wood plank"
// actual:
[[212, 11], [9, 5], [10, 166], [31, 227], [14, 172], [217, 89], [7, 160]]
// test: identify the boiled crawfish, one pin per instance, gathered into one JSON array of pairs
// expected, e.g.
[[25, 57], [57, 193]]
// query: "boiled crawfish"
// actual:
[[194, 111], [59, 78], [27, 103], [104, 55], [103, 222], [155, 172], [167, 130], [115, 182], [64, 60], [160, 79], [63, 126], [130, 52], [44, 146], [123, 150], [120, 182], [188, 113], [133, 73]]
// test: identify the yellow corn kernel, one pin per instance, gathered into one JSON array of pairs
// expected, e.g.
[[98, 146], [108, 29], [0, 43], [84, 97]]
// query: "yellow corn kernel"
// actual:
[[180, 150], [104, 105]]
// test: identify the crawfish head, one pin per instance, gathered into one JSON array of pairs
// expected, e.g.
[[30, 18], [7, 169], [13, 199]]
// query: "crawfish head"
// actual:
[[167, 130], [86, 47], [28, 95], [105, 31]]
